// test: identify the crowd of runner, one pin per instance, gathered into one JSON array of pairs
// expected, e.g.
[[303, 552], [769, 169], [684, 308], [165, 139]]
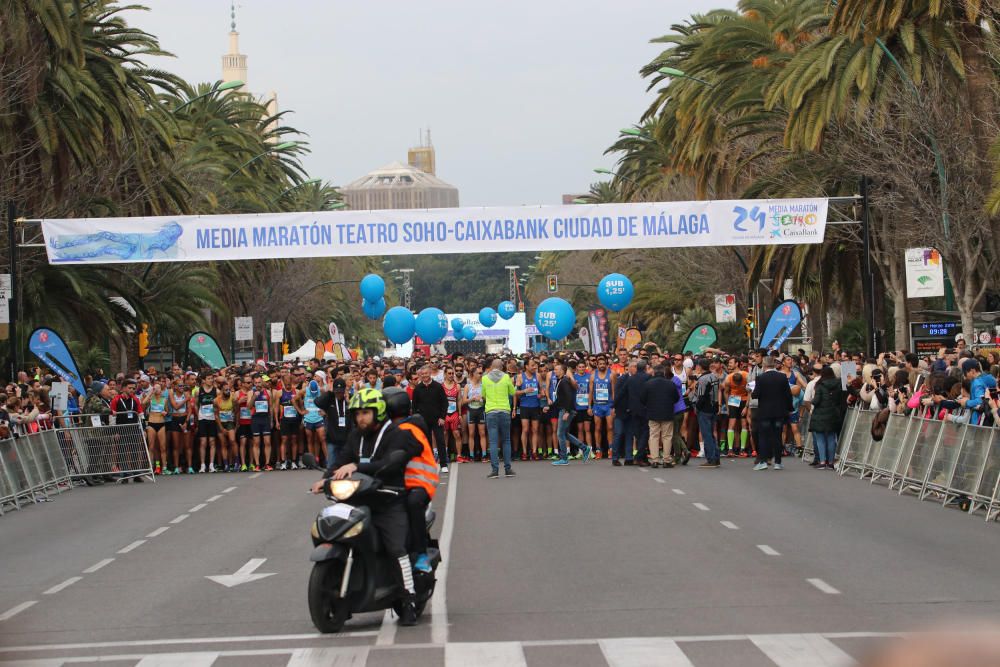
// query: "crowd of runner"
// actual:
[[645, 407]]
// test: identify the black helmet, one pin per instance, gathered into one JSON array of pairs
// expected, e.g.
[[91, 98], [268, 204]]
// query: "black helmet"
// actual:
[[397, 402]]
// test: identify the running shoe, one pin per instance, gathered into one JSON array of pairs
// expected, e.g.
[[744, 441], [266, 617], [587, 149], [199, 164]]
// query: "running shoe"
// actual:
[[166, 472], [202, 469], [243, 468], [597, 455], [524, 457], [191, 470], [268, 468], [211, 467], [778, 466], [760, 466], [283, 466], [494, 474], [560, 462], [177, 471], [157, 470], [586, 453], [293, 466], [444, 469], [256, 468]]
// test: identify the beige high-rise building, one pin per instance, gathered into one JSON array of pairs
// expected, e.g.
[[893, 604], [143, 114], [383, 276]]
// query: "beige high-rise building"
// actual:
[[399, 185]]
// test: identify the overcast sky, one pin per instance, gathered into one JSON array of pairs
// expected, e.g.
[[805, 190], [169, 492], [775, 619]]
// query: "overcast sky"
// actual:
[[521, 96]]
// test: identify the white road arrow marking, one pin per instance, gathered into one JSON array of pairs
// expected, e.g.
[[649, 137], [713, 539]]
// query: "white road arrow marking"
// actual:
[[242, 575]]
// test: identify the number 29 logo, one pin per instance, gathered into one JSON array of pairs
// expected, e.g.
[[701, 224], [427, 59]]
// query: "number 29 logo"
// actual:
[[753, 215]]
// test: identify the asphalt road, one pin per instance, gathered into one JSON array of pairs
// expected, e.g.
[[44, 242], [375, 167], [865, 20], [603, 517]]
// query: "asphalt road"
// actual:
[[582, 565]]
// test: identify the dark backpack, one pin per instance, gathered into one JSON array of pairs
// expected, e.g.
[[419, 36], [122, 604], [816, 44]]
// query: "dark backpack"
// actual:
[[708, 402]]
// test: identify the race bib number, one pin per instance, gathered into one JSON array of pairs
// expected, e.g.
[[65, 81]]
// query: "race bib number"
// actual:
[[531, 390], [260, 406], [289, 412], [582, 400], [206, 412], [342, 422], [735, 401], [95, 421], [244, 413], [226, 416], [452, 406], [157, 409], [601, 394]]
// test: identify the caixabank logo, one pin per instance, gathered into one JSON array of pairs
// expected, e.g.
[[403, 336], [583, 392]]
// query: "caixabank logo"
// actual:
[[775, 222]]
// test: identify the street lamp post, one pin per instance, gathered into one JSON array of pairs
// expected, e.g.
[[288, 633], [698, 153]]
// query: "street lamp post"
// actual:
[[217, 87], [407, 289]]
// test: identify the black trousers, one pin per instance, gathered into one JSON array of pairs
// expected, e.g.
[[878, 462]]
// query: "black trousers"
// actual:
[[392, 524], [639, 429], [417, 501], [440, 441], [769, 444]]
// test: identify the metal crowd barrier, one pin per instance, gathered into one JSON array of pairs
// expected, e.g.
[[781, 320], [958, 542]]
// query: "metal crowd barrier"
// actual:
[[34, 465], [957, 464]]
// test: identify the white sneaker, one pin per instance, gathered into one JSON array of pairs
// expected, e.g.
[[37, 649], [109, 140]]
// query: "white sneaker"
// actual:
[[211, 467], [283, 466], [778, 466], [293, 466], [444, 469], [760, 466], [202, 468]]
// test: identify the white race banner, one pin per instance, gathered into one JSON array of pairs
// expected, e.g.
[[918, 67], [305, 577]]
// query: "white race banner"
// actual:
[[725, 308], [924, 273], [244, 328], [277, 332], [435, 231]]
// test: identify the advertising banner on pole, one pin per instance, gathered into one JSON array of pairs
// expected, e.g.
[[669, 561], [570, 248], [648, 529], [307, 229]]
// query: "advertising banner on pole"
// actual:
[[725, 308], [786, 316], [46, 344], [434, 231], [277, 332], [701, 338], [924, 273], [203, 346], [244, 329]]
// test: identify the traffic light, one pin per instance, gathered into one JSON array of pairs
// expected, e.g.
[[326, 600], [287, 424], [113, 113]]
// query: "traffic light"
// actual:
[[553, 284], [284, 347], [749, 322], [144, 341]]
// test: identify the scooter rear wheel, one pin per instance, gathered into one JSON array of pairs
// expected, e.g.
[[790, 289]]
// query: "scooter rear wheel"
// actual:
[[328, 611]]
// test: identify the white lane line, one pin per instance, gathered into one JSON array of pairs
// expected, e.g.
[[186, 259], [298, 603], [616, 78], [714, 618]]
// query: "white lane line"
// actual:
[[659, 480], [198, 507], [255, 475], [730, 525], [66, 584], [387, 632], [14, 611], [702, 506], [98, 565], [644, 469], [201, 659], [484, 654], [342, 656], [159, 531], [439, 602], [823, 586], [178, 642], [652, 652], [770, 551], [132, 547], [213, 498], [678, 492], [801, 651], [179, 518], [229, 490]]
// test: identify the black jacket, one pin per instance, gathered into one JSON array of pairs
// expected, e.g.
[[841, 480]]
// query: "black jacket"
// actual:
[[565, 395], [773, 394], [430, 402], [334, 410], [360, 445], [658, 396], [621, 396], [634, 391]]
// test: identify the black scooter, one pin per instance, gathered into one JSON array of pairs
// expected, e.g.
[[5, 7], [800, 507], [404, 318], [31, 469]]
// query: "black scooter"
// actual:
[[351, 573]]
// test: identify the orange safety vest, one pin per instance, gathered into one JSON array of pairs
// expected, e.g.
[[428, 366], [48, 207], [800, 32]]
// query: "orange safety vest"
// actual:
[[422, 470]]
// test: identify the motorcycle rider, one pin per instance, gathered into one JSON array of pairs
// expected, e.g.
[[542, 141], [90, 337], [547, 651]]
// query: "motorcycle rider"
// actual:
[[368, 450], [422, 472]]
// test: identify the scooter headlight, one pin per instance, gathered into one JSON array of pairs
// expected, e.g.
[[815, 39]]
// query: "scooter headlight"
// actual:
[[342, 489]]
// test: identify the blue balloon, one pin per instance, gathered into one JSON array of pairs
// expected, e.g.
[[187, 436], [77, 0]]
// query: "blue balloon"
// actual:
[[373, 310], [506, 309], [398, 325], [456, 325], [555, 318], [487, 317], [432, 325], [372, 288], [469, 332], [615, 292]]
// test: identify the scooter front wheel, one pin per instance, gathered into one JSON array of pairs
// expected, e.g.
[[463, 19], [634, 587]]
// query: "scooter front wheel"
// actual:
[[329, 612]]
